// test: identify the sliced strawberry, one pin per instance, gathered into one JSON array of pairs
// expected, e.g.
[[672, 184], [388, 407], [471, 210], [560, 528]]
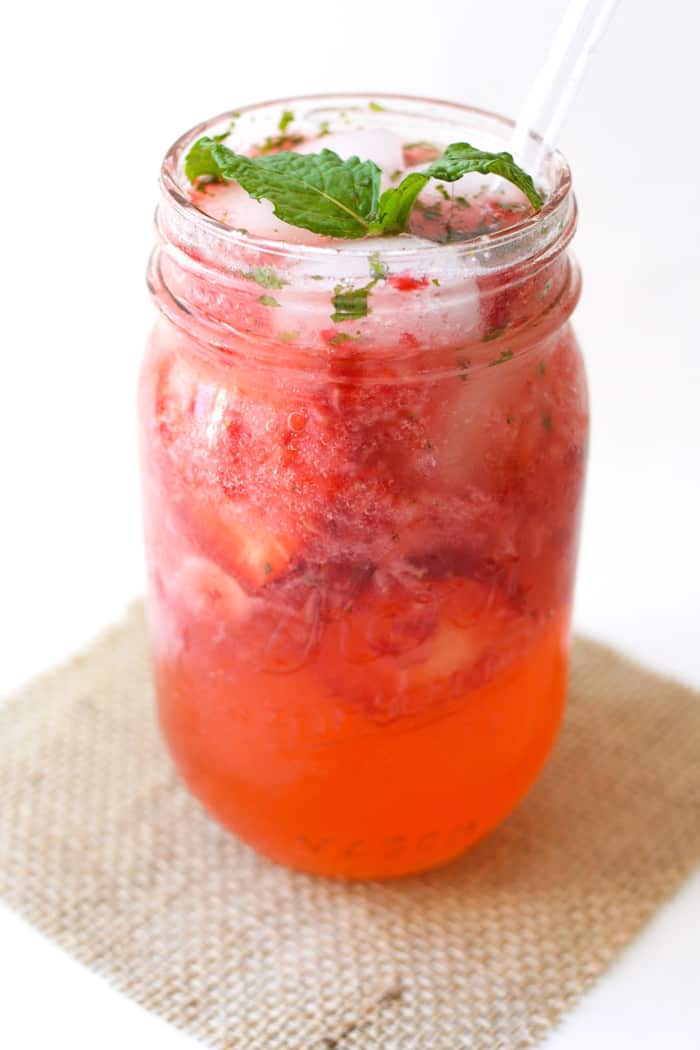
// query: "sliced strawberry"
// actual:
[[243, 544], [410, 644]]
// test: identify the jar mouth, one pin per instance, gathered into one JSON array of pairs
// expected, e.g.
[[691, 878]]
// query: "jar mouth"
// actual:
[[552, 225]]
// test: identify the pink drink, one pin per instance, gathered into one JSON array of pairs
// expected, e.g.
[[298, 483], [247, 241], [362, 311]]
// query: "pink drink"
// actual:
[[363, 466]]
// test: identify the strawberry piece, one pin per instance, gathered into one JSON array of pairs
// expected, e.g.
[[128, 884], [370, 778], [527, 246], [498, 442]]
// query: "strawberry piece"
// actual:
[[241, 543], [409, 644], [419, 153], [405, 282], [244, 474]]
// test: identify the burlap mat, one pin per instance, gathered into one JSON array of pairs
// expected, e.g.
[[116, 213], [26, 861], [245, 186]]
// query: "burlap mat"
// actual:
[[103, 850]]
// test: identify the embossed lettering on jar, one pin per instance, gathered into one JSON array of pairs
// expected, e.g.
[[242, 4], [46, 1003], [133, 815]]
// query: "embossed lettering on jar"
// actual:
[[361, 527]]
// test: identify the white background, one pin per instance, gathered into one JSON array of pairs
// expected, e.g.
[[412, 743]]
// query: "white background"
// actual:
[[92, 95]]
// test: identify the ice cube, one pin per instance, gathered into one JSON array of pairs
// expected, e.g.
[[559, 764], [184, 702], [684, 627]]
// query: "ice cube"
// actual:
[[230, 204]]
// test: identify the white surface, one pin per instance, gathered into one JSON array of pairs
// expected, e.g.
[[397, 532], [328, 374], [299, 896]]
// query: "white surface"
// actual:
[[100, 93]]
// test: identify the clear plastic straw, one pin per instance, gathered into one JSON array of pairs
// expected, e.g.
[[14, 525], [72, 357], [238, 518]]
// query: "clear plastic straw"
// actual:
[[554, 88]]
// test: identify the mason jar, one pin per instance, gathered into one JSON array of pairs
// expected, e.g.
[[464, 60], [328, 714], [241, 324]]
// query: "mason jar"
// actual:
[[363, 466]]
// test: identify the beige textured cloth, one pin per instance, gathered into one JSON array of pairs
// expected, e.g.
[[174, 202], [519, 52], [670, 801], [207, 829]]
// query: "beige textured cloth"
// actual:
[[103, 850]]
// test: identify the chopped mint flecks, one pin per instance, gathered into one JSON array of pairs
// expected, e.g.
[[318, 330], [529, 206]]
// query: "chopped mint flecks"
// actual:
[[430, 211], [504, 356], [338, 338], [349, 304], [279, 143], [463, 364], [222, 136], [378, 269], [285, 120], [376, 107], [547, 423], [267, 300], [264, 276], [492, 333]]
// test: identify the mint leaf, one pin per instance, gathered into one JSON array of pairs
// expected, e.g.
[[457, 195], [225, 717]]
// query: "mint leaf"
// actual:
[[316, 191], [267, 300], [349, 304], [396, 204], [340, 198], [201, 160], [264, 276], [460, 158]]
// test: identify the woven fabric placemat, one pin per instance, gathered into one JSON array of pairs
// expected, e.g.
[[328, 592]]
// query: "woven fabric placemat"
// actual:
[[103, 850]]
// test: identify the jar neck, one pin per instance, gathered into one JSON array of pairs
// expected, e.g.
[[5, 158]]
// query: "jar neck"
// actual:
[[388, 298]]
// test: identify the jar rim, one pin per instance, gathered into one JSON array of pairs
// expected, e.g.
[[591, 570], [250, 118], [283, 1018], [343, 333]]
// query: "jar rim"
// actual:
[[558, 204]]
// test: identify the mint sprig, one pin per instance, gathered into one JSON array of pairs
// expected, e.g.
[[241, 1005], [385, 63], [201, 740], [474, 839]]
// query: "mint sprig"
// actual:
[[341, 198], [317, 191]]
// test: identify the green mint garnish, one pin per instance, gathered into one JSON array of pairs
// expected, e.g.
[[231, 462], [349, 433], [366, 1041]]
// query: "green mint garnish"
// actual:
[[349, 304], [285, 120], [459, 158], [376, 108], [267, 300], [264, 276], [316, 191], [341, 198]]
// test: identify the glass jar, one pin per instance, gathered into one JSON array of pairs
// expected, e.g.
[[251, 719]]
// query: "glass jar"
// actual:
[[362, 470]]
